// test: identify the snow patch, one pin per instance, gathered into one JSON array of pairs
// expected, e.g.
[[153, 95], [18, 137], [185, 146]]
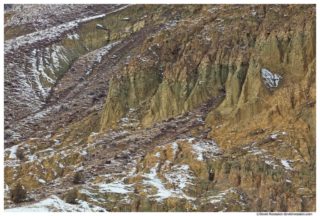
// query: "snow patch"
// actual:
[[204, 146], [269, 79], [114, 187], [42, 181], [285, 164], [13, 151], [153, 180], [55, 204]]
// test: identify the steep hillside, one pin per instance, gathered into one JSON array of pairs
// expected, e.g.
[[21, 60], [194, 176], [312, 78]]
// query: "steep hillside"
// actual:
[[161, 107]]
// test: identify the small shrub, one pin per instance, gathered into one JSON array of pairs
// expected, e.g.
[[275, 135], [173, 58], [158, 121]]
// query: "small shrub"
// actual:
[[18, 194], [72, 196], [126, 180], [108, 162], [63, 107], [125, 156], [77, 178], [30, 199], [136, 191], [20, 155], [171, 118]]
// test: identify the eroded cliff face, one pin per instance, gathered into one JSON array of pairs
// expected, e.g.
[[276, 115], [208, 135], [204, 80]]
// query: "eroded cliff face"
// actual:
[[174, 108], [263, 57], [240, 49]]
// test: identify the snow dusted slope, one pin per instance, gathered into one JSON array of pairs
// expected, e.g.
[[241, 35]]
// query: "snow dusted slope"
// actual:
[[55, 204], [34, 62], [51, 33], [27, 18], [178, 161]]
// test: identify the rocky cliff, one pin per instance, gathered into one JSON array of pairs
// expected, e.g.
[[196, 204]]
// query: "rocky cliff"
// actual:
[[163, 108]]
